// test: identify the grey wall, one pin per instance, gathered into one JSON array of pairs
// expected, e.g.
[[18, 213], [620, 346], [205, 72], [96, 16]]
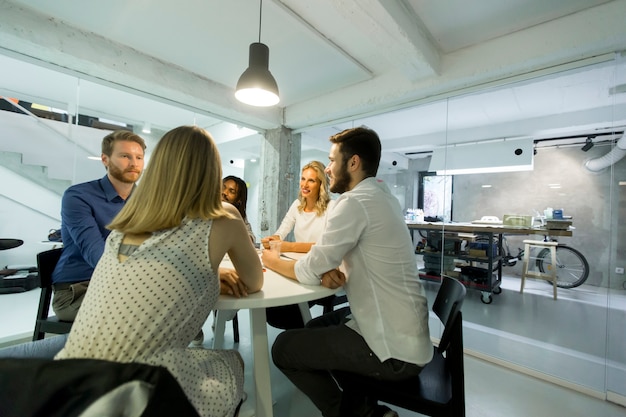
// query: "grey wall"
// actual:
[[591, 198]]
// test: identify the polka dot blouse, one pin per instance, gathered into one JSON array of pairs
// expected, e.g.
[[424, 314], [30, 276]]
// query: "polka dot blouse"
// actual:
[[149, 308]]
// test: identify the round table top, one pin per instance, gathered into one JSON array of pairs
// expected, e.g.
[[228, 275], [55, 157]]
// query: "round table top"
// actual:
[[277, 290], [10, 243]]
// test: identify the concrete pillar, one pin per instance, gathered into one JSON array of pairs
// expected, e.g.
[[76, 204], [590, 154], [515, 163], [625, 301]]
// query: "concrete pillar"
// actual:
[[280, 177], [415, 167]]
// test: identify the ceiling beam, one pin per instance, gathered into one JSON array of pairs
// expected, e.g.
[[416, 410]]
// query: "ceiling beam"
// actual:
[[38, 37], [545, 47]]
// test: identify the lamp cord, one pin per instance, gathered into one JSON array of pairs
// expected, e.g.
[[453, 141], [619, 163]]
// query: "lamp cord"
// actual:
[[260, 13]]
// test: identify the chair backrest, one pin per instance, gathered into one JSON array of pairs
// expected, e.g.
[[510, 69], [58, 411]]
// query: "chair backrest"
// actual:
[[439, 390], [447, 306], [46, 262]]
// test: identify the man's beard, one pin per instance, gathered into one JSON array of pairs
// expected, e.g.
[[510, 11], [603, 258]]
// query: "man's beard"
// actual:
[[341, 181], [123, 176]]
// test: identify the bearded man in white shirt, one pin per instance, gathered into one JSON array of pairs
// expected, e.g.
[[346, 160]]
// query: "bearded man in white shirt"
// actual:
[[384, 332]]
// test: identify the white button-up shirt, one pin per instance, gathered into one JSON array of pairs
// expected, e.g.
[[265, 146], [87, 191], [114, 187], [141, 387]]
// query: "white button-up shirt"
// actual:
[[367, 232]]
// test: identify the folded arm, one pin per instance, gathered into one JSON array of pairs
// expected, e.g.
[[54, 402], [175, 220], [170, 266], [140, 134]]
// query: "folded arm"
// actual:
[[229, 235], [231, 284], [286, 267], [79, 221]]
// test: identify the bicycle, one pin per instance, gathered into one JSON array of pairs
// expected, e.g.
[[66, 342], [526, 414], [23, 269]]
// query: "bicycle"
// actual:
[[572, 266]]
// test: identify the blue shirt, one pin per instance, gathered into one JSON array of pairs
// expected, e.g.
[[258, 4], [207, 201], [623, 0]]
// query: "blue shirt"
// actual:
[[85, 211]]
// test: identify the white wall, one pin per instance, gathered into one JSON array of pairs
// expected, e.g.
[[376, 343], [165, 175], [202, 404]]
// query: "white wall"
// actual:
[[21, 222]]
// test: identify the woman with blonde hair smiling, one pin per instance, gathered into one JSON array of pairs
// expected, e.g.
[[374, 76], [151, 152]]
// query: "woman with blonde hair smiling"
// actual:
[[307, 215], [157, 280], [307, 218]]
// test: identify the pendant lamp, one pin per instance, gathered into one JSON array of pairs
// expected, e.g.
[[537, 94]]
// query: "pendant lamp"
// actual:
[[257, 86]]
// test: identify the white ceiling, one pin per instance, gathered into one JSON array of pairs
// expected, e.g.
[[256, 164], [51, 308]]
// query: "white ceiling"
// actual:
[[388, 64]]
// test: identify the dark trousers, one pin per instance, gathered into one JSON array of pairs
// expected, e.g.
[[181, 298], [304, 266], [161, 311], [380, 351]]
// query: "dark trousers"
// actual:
[[307, 355]]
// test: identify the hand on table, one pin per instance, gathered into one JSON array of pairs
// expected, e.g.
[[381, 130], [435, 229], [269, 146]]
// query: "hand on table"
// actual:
[[266, 240], [231, 284], [333, 279], [269, 258]]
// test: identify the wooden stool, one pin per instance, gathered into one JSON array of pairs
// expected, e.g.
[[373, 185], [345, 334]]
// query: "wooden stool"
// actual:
[[548, 276]]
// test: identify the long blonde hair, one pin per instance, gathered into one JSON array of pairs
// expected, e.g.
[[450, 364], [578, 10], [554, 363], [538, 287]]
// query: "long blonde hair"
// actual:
[[324, 196], [183, 179]]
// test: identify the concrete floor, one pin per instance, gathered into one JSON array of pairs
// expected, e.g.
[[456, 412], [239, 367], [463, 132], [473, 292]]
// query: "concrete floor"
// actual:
[[491, 390]]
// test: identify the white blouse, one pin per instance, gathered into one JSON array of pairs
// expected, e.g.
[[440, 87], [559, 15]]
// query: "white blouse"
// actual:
[[306, 226]]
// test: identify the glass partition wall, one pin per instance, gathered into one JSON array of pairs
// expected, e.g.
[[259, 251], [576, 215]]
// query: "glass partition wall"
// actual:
[[52, 124], [616, 248], [577, 340]]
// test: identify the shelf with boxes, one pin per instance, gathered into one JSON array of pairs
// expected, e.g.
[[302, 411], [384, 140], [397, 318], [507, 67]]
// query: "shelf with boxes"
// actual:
[[477, 246], [471, 258]]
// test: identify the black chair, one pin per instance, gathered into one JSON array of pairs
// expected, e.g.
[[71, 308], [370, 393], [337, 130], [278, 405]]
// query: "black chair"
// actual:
[[235, 329], [439, 390], [329, 303], [46, 261], [289, 316]]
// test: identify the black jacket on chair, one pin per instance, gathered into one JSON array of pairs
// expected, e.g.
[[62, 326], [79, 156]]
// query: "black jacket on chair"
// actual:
[[67, 388]]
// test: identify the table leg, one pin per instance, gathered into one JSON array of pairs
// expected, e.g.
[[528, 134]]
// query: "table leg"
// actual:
[[305, 310], [261, 356]]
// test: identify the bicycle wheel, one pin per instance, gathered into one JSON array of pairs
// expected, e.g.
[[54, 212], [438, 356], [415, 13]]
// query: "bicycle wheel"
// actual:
[[572, 269]]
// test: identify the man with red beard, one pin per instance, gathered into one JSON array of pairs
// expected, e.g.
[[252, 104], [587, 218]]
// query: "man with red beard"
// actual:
[[86, 210]]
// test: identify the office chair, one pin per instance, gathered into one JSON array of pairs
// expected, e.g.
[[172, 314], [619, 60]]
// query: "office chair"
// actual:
[[46, 261], [329, 303], [439, 390]]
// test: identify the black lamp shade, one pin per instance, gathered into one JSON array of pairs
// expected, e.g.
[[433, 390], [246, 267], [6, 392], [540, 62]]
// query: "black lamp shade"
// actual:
[[257, 86]]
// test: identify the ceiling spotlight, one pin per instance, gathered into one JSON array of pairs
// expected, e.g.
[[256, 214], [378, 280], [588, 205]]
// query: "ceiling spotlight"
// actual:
[[257, 86], [588, 144]]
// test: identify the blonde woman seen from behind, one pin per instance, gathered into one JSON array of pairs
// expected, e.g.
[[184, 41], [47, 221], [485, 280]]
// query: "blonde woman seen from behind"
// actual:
[[157, 280]]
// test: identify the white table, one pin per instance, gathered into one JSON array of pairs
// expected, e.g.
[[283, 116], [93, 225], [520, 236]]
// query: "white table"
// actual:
[[277, 291], [51, 243]]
